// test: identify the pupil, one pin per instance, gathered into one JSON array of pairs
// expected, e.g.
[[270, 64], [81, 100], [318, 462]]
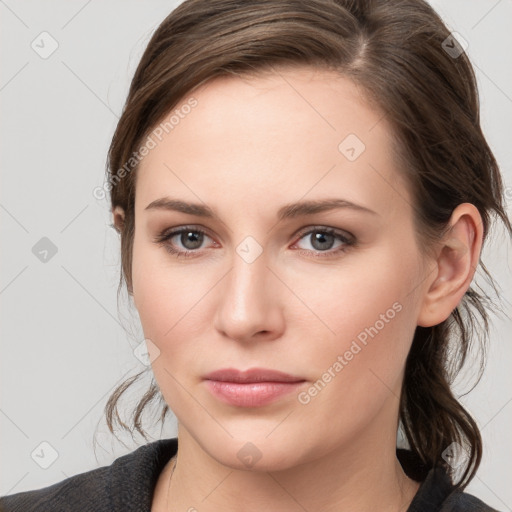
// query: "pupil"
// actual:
[[191, 237]]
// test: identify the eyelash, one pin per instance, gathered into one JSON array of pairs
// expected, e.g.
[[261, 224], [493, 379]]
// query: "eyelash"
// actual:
[[348, 241]]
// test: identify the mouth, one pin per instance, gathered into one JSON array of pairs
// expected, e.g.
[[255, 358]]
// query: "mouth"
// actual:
[[251, 388]]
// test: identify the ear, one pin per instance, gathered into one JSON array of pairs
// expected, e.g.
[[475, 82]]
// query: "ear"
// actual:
[[455, 266], [118, 216]]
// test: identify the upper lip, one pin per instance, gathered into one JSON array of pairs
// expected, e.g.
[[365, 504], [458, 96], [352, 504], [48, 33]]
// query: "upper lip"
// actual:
[[251, 375]]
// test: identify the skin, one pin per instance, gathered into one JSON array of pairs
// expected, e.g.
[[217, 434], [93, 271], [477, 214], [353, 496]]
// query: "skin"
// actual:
[[249, 147]]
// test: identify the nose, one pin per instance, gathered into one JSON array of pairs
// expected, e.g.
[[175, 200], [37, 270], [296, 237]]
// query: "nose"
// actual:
[[249, 306]]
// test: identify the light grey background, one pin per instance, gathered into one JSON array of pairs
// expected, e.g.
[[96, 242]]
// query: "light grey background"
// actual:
[[64, 344]]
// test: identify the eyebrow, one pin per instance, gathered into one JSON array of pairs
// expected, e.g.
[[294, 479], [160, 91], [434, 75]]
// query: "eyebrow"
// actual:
[[288, 211]]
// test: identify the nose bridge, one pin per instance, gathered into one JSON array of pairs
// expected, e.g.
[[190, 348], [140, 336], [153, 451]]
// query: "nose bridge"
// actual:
[[248, 304], [248, 280]]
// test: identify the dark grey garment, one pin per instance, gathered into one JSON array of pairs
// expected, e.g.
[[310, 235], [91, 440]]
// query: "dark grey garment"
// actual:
[[127, 485]]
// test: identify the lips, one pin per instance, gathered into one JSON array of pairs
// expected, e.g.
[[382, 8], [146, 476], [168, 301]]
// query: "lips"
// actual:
[[251, 388], [252, 375]]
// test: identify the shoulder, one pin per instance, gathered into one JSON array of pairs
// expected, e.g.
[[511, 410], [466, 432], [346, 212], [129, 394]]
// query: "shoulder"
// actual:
[[86, 491], [464, 502], [101, 489], [437, 492]]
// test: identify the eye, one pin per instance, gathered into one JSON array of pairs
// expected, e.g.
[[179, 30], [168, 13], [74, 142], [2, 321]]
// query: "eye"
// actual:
[[189, 238], [322, 240]]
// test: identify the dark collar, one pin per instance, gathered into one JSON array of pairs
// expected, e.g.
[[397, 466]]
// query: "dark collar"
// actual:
[[133, 478]]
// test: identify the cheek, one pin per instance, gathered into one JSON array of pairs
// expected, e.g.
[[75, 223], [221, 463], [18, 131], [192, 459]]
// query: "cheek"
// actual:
[[368, 319], [154, 293], [169, 298], [361, 368]]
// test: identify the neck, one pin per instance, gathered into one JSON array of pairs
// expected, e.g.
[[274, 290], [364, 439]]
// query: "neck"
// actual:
[[364, 476]]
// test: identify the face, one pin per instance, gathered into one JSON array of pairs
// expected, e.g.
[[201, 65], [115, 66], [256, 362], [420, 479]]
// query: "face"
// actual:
[[299, 257]]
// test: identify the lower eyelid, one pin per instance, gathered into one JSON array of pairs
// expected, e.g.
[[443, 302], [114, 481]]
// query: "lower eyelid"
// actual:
[[164, 239]]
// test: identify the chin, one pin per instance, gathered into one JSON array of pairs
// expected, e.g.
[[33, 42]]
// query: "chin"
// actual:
[[257, 453]]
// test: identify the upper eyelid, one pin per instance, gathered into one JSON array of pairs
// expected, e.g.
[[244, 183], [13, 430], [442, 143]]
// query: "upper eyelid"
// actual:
[[172, 232], [329, 229]]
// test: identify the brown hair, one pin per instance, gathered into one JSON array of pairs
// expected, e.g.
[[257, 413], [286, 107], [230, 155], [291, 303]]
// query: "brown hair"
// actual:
[[397, 51]]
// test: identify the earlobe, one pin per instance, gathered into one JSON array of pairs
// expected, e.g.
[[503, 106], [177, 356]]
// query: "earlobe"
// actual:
[[118, 218], [456, 264]]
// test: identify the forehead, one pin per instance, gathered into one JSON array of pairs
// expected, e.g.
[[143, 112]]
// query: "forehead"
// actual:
[[278, 135]]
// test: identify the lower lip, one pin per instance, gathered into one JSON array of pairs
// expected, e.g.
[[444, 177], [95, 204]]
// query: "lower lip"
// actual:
[[251, 394]]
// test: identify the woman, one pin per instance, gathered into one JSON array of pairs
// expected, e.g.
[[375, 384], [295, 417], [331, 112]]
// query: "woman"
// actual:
[[302, 191]]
